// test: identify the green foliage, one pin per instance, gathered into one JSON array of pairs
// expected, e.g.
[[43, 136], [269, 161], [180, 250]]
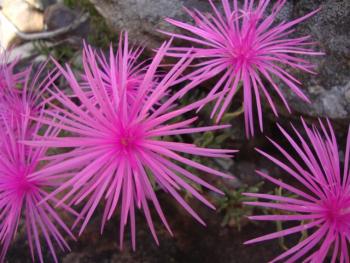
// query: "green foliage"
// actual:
[[279, 226], [231, 205], [62, 53], [229, 116], [211, 139]]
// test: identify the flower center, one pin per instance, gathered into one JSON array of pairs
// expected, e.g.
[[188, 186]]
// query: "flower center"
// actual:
[[23, 186], [126, 142], [129, 139], [19, 182], [244, 47], [337, 213], [243, 54]]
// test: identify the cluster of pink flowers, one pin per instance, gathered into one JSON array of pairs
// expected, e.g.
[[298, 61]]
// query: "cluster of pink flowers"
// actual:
[[20, 193], [114, 134]]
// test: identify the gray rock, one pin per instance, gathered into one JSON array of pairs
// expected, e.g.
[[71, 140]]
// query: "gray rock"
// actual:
[[25, 51], [142, 18], [58, 16], [328, 91]]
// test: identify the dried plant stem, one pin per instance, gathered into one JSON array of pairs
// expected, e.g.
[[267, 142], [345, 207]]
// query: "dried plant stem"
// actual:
[[48, 34]]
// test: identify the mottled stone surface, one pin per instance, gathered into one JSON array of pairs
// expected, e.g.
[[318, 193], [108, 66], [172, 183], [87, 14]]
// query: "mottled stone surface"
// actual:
[[58, 16], [329, 90], [142, 18]]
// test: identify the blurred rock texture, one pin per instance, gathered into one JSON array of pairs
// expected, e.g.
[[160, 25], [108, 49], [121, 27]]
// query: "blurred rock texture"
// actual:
[[35, 18], [19, 15], [329, 90]]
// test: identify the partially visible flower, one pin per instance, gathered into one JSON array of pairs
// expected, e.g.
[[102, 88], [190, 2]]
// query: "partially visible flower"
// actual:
[[25, 95], [19, 193], [243, 45], [321, 204], [122, 146], [8, 76], [124, 63], [9, 81]]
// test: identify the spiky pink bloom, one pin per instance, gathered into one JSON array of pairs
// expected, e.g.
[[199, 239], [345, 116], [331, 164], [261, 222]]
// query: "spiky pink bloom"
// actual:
[[109, 68], [321, 204], [9, 80], [8, 76], [243, 45], [19, 194], [121, 146]]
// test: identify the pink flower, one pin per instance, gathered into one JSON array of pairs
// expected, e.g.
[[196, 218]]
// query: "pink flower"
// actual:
[[321, 204], [109, 69], [242, 45], [9, 81], [14, 103], [122, 146], [20, 193], [8, 76]]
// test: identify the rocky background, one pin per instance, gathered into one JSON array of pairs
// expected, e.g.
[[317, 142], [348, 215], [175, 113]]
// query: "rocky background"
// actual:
[[33, 28]]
